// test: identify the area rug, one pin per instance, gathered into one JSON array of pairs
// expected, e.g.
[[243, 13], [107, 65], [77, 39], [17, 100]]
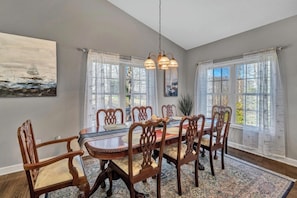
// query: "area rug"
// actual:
[[239, 179]]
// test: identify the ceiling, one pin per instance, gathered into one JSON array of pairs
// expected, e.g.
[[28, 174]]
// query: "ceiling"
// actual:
[[192, 23]]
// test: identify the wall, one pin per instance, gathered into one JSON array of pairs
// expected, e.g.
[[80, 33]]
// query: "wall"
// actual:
[[282, 33], [94, 24]]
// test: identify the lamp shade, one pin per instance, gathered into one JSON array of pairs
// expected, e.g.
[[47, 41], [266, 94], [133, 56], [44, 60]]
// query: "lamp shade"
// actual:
[[173, 63], [163, 62], [149, 63]]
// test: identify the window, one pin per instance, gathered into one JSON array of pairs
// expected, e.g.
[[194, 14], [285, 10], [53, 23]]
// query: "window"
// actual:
[[242, 80], [243, 84], [252, 87], [113, 82]]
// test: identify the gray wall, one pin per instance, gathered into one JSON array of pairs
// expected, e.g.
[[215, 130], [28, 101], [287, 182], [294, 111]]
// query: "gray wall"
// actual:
[[94, 24], [282, 33]]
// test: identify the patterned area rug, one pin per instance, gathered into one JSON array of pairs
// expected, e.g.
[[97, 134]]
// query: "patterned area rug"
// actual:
[[239, 179]]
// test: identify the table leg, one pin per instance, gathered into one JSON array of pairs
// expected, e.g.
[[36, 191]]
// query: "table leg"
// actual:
[[100, 179]]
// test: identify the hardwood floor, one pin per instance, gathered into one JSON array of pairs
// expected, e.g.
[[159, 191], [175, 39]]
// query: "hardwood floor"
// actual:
[[15, 185]]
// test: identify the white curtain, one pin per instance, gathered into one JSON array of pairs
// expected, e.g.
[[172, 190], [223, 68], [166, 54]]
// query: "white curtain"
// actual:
[[269, 137], [152, 89], [95, 81], [200, 102], [92, 85]]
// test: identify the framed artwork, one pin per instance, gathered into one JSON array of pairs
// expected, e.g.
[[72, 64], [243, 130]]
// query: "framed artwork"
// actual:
[[171, 82], [28, 66]]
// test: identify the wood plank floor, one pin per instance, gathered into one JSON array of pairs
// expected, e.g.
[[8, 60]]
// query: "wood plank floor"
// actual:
[[15, 185]]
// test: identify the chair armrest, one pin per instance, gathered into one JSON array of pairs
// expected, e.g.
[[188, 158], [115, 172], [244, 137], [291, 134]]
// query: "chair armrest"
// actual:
[[68, 155], [68, 140]]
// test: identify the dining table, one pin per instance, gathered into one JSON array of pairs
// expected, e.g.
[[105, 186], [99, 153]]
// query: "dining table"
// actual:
[[110, 142]]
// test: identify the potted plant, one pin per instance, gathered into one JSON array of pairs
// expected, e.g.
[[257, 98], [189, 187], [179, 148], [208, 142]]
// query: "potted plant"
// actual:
[[185, 104]]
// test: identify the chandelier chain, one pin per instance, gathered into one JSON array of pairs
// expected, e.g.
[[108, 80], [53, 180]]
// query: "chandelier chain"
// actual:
[[160, 26]]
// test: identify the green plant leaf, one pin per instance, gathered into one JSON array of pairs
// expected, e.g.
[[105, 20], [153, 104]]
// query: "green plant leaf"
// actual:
[[185, 104]]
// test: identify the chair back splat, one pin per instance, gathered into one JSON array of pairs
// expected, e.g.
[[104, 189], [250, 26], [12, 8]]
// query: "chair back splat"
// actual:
[[109, 116], [169, 111], [141, 113]]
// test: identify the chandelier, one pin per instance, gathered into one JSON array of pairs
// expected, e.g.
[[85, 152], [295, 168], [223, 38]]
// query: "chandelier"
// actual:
[[163, 61]]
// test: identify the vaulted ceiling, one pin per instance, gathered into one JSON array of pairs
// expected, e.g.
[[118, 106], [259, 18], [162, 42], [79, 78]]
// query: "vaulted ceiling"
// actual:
[[192, 23]]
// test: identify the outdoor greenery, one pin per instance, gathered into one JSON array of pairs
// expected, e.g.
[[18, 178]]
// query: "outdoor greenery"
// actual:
[[185, 104]]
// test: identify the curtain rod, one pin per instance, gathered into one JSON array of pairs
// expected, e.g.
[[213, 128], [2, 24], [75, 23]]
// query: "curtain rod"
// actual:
[[124, 57], [279, 48]]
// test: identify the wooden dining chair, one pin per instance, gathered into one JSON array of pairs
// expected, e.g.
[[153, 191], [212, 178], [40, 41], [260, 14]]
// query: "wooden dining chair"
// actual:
[[190, 131], [217, 108], [217, 135], [169, 110], [55, 173], [141, 113], [143, 139], [109, 116]]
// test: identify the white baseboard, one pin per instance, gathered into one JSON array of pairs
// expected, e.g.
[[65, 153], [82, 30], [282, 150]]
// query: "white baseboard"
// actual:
[[11, 169], [19, 167]]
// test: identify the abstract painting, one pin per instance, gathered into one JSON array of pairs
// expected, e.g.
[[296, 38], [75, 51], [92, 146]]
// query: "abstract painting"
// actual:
[[28, 66]]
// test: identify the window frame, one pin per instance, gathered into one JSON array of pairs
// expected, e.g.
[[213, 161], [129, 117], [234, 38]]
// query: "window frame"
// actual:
[[233, 94]]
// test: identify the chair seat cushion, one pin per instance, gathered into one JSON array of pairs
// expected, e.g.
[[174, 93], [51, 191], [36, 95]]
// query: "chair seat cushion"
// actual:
[[58, 172], [205, 140], [171, 150], [137, 161]]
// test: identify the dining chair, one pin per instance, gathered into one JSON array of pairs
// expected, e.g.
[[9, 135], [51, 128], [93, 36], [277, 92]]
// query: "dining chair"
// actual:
[[141, 113], [143, 139], [56, 172], [105, 117], [169, 110], [190, 130], [216, 108], [109, 116], [217, 136]]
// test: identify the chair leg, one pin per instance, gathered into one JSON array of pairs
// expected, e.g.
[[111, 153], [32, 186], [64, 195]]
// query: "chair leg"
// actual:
[[223, 165], [132, 191], [226, 146], [215, 156], [196, 173], [178, 180], [159, 186], [84, 190], [211, 163]]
